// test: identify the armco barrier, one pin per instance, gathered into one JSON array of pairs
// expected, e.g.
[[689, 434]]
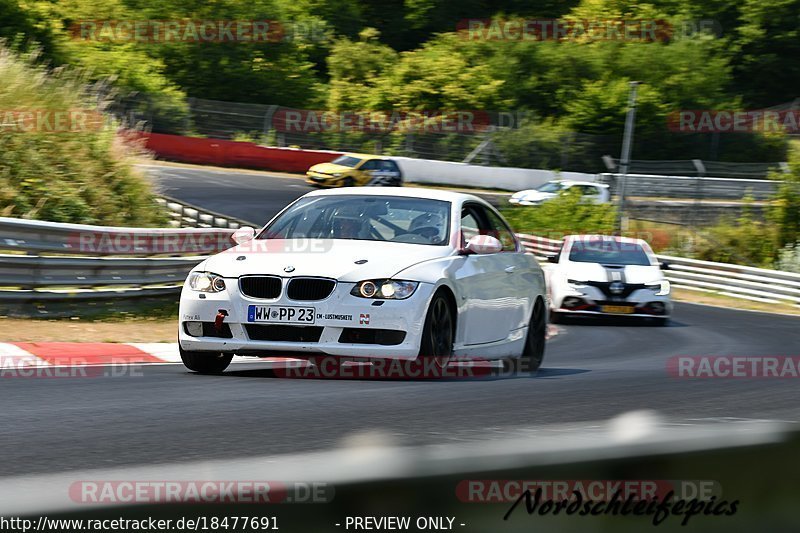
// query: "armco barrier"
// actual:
[[86, 264], [86, 261], [234, 153], [749, 283], [250, 155]]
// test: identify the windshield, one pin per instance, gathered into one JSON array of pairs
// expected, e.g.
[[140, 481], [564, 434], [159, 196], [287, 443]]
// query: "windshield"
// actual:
[[366, 218], [608, 252], [550, 186], [346, 161]]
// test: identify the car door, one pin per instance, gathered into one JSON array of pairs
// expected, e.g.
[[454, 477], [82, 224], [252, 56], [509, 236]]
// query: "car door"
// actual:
[[366, 170], [514, 272], [489, 303], [589, 193]]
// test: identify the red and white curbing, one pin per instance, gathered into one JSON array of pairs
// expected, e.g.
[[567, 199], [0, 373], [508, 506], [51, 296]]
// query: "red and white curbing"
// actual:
[[43, 354]]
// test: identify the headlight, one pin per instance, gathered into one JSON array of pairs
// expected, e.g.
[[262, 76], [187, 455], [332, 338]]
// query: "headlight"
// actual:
[[337, 174], [661, 287], [206, 282], [388, 289], [575, 284]]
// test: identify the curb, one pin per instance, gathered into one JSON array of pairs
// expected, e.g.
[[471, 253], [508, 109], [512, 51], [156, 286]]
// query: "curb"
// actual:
[[59, 354]]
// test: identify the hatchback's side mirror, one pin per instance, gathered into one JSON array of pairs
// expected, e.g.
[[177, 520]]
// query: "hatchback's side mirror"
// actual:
[[663, 265], [552, 258], [243, 235]]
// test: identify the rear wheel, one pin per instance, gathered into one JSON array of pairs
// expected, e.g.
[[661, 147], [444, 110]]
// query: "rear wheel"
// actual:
[[438, 332], [348, 182], [533, 352], [205, 362]]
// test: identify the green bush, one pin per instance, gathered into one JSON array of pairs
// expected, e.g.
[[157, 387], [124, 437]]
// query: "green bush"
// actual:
[[789, 258], [744, 241], [564, 215], [68, 174]]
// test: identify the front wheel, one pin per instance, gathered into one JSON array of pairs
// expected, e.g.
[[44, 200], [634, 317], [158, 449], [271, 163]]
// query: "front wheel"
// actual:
[[438, 332], [533, 351], [205, 362]]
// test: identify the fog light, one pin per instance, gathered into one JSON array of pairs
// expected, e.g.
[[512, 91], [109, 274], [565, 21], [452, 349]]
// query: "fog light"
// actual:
[[195, 329], [571, 302]]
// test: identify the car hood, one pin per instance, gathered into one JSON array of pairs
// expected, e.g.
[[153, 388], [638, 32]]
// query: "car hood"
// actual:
[[597, 272], [331, 258], [330, 168]]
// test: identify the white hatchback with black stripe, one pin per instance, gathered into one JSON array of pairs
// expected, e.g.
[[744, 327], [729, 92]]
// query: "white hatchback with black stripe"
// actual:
[[608, 275]]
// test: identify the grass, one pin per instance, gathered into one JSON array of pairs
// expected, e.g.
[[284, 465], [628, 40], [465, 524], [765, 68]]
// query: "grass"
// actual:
[[721, 300], [76, 170]]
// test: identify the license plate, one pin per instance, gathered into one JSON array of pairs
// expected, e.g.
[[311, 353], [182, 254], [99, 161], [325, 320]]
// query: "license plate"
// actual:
[[281, 314], [617, 309]]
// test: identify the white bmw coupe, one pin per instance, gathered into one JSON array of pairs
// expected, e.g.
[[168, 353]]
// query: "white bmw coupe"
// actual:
[[368, 274]]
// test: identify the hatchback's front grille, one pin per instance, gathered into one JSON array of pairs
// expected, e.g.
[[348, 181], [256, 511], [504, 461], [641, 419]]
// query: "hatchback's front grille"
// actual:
[[265, 287], [625, 290], [281, 333], [310, 289]]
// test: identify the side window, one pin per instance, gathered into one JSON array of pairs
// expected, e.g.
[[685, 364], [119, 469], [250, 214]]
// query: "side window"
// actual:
[[588, 190], [499, 230], [370, 165], [469, 225]]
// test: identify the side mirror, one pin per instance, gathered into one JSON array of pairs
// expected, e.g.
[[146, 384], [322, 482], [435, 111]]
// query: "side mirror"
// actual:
[[243, 235], [553, 258], [483, 244], [663, 265]]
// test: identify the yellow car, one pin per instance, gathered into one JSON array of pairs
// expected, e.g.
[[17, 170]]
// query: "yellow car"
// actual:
[[355, 170]]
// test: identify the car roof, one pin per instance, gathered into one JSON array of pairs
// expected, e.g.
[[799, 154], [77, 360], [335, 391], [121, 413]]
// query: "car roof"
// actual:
[[366, 156], [406, 192], [573, 182], [614, 238]]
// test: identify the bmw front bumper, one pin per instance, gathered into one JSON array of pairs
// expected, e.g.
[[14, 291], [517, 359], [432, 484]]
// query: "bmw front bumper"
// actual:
[[345, 325]]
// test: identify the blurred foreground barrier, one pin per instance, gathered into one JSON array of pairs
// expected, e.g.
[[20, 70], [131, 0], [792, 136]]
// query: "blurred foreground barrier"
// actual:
[[750, 283], [750, 468]]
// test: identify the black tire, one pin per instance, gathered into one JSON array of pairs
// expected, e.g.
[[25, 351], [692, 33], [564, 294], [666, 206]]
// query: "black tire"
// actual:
[[347, 182], [438, 332], [533, 352], [205, 362]]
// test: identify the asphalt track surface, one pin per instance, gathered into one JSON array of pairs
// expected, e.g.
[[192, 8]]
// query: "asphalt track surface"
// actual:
[[592, 371]]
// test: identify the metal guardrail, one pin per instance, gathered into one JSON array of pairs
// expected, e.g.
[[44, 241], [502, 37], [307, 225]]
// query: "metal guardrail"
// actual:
[[49, 267], [97, 262], [695, 188], [750, 283]]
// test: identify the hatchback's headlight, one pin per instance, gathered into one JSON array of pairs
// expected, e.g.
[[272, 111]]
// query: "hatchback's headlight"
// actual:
[[206, 282], [660, 287], [388, 289], [575, 284]]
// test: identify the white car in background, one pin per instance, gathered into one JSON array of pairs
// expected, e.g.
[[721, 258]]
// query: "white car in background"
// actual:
[[590, 191], [608, 275], [366, 273]]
